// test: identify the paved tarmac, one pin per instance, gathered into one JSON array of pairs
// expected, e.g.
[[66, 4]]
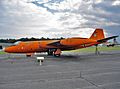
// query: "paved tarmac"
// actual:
[[70, 71]]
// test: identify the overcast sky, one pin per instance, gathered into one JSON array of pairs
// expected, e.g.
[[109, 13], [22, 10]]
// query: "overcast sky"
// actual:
[[58, 18]]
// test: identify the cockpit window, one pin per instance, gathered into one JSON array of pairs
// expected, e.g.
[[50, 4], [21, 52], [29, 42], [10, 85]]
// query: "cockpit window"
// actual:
[[16, 43], [13, 44]]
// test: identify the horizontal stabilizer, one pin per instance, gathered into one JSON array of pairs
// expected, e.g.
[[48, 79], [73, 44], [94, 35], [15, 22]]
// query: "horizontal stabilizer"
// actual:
[[106, 39]]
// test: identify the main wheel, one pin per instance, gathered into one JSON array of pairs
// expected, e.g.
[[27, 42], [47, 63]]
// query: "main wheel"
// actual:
[[57, 55]]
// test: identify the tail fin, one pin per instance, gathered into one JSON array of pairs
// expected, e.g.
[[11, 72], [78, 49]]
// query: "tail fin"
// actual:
[[97, 34]]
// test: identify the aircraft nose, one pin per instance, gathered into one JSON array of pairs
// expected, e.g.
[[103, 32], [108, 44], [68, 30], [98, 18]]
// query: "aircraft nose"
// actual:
[[6, 49], [10, 49], [3, 49]]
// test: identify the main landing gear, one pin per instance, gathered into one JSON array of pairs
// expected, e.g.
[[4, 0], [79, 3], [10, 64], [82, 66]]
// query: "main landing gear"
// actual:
[[54, 52], [50, 52]]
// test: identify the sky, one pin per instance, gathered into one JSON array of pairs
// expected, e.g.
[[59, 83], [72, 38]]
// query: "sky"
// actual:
[[58, 18]]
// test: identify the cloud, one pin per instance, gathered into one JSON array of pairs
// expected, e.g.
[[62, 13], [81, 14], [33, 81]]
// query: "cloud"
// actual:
[[117, 2], [56, 18]]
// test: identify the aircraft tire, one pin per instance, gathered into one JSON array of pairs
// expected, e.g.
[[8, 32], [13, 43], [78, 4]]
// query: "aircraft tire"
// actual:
[[57, 55]]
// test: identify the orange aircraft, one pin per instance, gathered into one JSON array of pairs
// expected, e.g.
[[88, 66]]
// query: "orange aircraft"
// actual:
[[55, 47]]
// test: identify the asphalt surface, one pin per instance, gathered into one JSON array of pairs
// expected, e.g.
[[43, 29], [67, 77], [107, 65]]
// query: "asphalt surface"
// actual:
[[70, 71]]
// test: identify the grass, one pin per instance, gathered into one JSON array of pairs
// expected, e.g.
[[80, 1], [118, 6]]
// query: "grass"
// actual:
[[1, 52], [116, 48], [100, 48]]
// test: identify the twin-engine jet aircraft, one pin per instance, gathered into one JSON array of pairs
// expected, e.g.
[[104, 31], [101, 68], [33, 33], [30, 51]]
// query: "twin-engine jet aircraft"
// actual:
[[55, 47]]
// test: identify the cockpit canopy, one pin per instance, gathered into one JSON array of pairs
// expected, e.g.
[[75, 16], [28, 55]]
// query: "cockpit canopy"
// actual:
[[16, 43]]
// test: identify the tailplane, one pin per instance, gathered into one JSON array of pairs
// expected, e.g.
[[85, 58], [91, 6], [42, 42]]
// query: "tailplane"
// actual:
[[98, 34]]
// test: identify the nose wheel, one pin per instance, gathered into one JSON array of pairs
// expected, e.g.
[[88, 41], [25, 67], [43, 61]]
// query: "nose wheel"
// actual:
[[29, 54]]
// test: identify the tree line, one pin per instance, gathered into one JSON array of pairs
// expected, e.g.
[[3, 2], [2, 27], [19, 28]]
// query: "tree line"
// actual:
[[27, 39]]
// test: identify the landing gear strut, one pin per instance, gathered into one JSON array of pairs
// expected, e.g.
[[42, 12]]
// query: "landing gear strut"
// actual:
[[96, 50], [50, 52]]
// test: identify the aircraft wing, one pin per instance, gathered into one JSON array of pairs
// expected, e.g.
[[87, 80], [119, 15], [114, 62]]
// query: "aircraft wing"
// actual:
[[61, 46], [106, 39], [56, 44]]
